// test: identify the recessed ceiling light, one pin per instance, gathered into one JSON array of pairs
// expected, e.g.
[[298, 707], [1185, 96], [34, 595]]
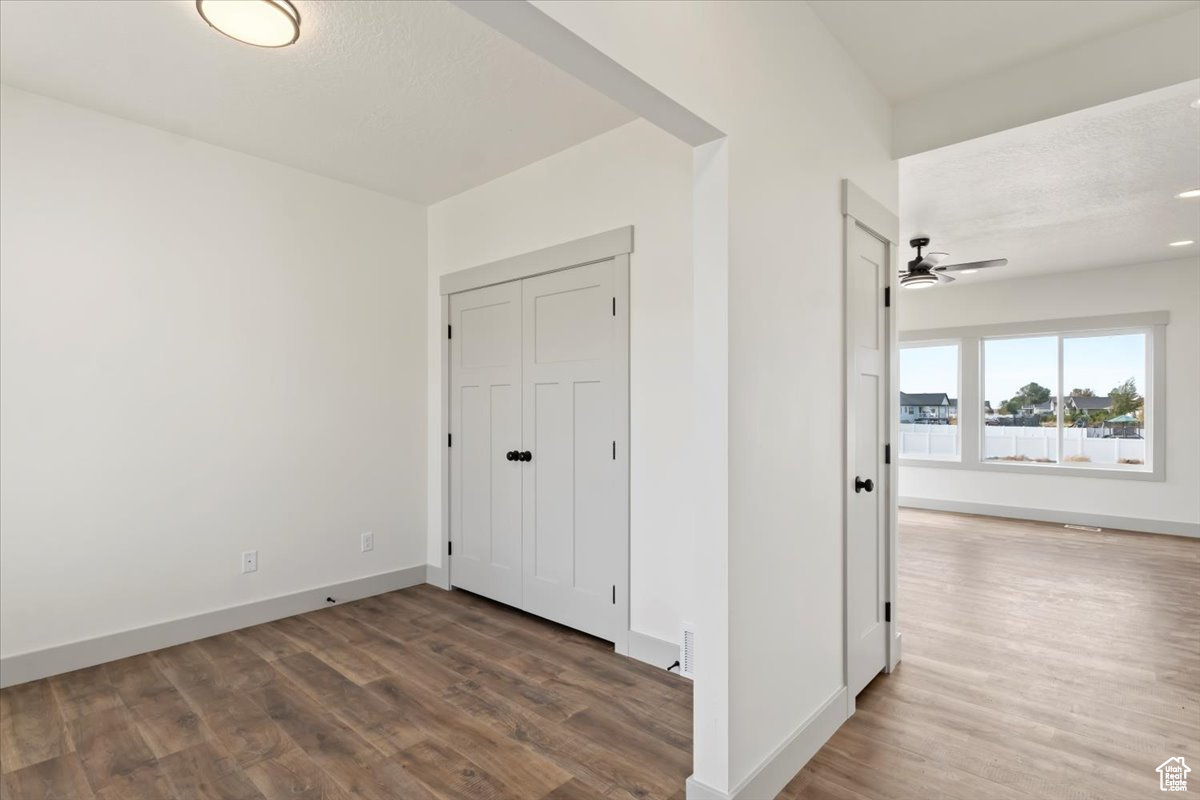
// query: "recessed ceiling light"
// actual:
[[1184, 243], [262, 23], [1188, 193], [1196, 103]]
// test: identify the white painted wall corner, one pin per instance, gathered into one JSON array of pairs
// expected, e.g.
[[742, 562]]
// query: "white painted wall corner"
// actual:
[[778, 768]]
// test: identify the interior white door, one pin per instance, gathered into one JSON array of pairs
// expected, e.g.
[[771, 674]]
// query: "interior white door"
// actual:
[[485, 426], [571, 551], [867, 408]]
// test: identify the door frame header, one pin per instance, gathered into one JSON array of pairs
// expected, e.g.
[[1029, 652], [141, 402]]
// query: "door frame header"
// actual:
[[870, 213], [588, 250]]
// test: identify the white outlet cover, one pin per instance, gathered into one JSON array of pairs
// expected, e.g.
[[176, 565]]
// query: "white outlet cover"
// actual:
[[368, 542], [249, 561]]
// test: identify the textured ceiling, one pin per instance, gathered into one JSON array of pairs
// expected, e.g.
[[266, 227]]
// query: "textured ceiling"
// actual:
[[1086, 190], [415, 99], [915, 47]]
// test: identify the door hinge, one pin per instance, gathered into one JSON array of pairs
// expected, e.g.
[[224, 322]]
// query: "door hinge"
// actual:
[[449, 548], [887, 612], [614, 306], [887, 454], [614, 449], [887, 297], [449, 440], [614, 594], [449, 331]]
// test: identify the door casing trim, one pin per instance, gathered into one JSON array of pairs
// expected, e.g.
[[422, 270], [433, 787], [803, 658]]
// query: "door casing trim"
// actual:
[[861, 210], [577, 253]]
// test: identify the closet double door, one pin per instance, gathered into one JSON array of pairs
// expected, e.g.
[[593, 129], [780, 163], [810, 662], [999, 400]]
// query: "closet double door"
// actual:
[[536, 494]]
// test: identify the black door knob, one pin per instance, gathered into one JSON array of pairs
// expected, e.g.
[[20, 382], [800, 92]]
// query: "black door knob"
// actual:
[[860, 484], [525, 456], [512, 455]]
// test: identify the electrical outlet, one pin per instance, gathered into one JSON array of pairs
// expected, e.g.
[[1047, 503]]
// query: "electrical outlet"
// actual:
[[368, 542], [249, 561]]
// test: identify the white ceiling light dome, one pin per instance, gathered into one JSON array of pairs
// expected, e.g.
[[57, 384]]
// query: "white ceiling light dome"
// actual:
[[262, 23]]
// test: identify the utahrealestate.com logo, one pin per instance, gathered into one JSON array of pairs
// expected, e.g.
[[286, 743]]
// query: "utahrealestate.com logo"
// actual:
[[1172, 775]]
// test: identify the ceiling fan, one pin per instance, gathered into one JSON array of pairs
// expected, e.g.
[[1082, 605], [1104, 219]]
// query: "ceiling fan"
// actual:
[[926, 270]]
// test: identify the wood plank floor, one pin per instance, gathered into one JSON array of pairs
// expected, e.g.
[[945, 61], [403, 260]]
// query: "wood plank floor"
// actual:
[[420, 694], [1038, 663]]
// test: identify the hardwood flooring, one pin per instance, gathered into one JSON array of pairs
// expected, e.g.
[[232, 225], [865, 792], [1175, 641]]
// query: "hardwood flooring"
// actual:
[[1038, 663], [419, 694]]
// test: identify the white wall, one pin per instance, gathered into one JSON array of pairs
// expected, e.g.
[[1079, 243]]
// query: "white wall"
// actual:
[[635, 175], [202, 353], [1172, 286], [799, 116]]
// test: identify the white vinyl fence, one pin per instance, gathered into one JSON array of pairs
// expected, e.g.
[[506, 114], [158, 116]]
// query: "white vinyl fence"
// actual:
[[1019, 443], [928, 441]]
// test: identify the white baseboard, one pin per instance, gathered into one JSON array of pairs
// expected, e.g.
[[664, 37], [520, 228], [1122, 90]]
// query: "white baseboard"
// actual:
[[1051, 515], [437, 576], [778, 769], [695, 790], [652, 650], [37, 664]]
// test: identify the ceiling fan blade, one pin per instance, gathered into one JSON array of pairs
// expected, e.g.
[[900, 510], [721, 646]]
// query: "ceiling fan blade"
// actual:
[[971, 266], [943, 278], [931, 260]]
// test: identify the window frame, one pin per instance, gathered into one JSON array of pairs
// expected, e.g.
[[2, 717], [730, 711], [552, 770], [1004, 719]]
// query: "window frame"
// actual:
[[971, 376]]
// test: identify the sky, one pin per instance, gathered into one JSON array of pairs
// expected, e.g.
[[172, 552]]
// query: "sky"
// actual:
[[1093, 362]]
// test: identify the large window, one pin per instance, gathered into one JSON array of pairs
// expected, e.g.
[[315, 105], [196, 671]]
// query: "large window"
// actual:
[[929, 401], [1072, 397]]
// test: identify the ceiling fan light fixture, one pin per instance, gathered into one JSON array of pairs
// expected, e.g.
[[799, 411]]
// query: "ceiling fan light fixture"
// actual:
[[262, 23], [918, 280]]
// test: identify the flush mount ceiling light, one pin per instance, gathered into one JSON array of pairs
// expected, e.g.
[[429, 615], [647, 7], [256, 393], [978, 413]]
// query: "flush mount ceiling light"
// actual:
[[1184, 243], [262, 23], [1188, 193]]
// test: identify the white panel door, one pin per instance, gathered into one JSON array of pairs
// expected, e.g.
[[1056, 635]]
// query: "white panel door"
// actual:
[[867, 404], [485, 426], [571, 548]]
